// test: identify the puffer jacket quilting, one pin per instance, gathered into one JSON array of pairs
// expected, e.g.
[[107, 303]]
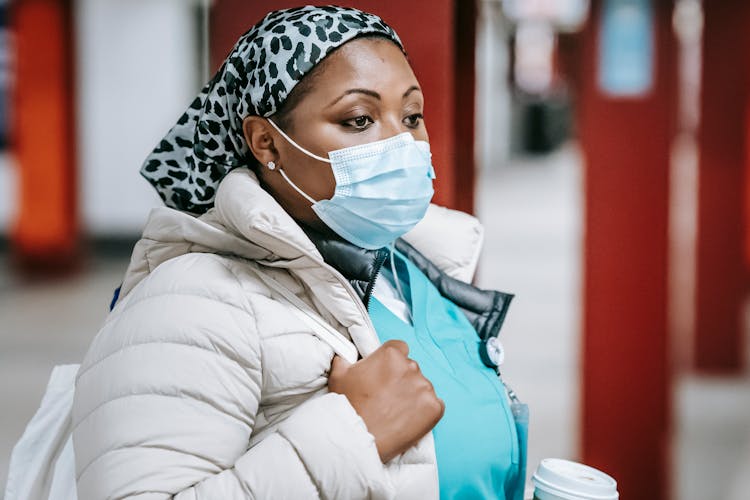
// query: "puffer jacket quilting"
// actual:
[[201, 384]]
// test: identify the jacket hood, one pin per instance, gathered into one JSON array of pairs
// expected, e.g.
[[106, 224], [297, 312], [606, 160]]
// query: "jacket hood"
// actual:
[[247, 222]]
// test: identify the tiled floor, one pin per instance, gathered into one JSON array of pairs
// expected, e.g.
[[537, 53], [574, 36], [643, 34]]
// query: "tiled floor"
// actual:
[[531, 212]]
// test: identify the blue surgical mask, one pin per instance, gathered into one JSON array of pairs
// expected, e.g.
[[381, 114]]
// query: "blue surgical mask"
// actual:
[[383, 189]]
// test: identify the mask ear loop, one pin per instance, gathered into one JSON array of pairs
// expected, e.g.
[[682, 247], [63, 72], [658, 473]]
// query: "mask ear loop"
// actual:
[[291, 141], [281, 170], [307, 197]]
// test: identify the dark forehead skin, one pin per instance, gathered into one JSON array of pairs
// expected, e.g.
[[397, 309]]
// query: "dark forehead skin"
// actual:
[[283, 116], [365, 80], [373, 65]]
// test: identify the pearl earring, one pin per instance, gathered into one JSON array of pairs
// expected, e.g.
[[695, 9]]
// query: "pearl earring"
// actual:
[[271, 165]]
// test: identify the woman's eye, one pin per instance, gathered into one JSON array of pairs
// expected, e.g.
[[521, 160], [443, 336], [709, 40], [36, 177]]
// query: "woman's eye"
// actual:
[[359, 123], [413, 121]]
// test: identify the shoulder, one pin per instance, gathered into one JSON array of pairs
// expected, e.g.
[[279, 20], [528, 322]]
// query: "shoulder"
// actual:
[[210, 276], [451, 239], [199, 301]]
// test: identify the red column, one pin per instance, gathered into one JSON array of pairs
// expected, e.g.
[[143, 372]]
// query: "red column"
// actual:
[[463, 107], [626, 386], [746, 196], [441, 52], [43, 133], [721, 274]]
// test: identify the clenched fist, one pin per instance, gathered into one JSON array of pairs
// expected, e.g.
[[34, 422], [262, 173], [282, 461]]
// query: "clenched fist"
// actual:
[[389, 392]]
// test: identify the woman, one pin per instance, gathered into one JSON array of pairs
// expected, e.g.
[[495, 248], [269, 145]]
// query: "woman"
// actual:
[[296, 168]]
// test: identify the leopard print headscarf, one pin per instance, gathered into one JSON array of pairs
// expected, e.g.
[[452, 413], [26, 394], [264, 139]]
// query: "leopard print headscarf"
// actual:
[[255, 79]]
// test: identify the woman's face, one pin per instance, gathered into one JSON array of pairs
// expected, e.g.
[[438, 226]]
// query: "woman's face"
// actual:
[[364, 92]]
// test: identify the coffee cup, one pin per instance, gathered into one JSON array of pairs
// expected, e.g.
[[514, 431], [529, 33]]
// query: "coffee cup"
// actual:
[[557, 479]]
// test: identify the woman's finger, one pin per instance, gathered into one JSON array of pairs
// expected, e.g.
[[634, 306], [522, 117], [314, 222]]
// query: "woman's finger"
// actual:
[[398, 345], [339, 365]]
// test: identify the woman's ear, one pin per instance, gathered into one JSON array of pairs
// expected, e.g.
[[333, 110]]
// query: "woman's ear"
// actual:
[[259, 139]]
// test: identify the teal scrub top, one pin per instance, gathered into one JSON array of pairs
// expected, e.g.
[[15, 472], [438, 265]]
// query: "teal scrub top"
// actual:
[[475, 442]]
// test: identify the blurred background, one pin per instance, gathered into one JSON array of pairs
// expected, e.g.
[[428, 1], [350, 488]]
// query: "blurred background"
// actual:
[[603, 144]]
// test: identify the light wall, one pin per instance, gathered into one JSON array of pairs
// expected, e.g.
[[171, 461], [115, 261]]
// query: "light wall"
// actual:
[[493, 111], [7, 193], [138, 68]]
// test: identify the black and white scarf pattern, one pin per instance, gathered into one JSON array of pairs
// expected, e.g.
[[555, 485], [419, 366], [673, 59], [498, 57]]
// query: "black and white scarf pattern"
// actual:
[[255, 79]]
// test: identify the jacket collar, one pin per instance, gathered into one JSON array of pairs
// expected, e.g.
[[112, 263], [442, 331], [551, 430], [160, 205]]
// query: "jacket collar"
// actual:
[[485, 309], [247, 208], [358, 265], [248, 222]]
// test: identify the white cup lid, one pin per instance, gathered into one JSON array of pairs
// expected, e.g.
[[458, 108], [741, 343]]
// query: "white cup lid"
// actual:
[[558, 478]]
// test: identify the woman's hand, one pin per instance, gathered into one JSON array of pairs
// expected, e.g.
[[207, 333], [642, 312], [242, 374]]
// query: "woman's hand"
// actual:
[[389, 392]]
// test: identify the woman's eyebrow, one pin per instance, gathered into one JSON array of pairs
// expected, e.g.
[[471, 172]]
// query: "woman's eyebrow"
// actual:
[[410, 90], [372, 93]]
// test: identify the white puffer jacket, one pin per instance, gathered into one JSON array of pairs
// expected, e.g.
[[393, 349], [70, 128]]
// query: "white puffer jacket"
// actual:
[[201, 385]]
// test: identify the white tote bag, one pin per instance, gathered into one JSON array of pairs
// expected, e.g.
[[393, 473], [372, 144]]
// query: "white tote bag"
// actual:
[[42, 464]]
